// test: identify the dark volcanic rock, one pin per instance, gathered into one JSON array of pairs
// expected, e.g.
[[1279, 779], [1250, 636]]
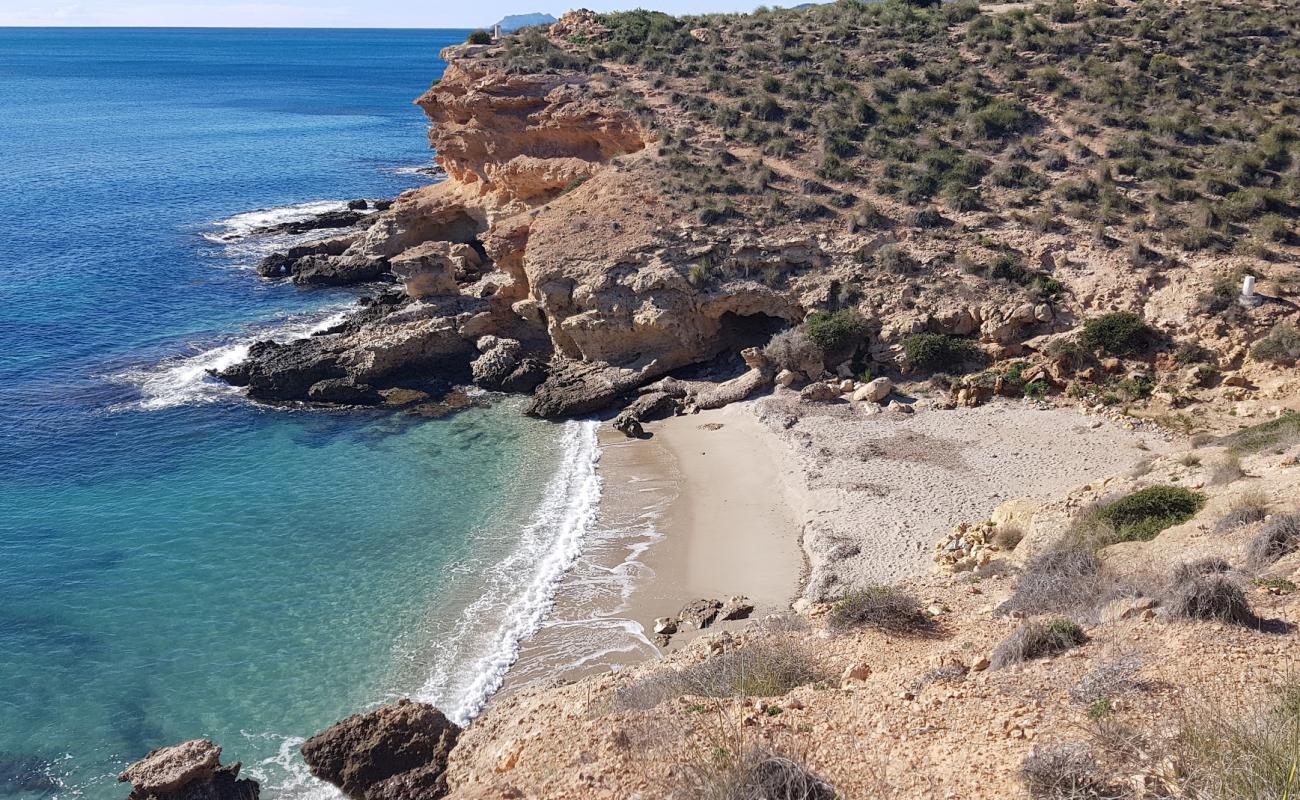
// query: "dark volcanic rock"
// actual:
[[383, 205], [337, 270], [187, 771], [344, 391], [275, 371], [358, 205], [398, 752], [279, 265], [329, 219]]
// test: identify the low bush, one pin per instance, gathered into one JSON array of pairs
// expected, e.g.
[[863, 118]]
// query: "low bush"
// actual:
[[1145, 513], [479, 37], [1006, 537], [1206, 590], [1280, 536], [757, 774], [1063, 578], [883, 607], [1226, 470], [1063, 772], [1245, 509], [1036, 639], [1281, 346], [792, 349], [835, 331], [1119, 333], [935, 351]]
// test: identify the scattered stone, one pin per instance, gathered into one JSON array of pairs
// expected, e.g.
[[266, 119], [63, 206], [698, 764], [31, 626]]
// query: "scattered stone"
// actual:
[[397, 752], [786, 378], [187, 771], [856, 672], [699, 614], [737, 607], [874, 392], [819, 392], [966, 547], [665, 625]]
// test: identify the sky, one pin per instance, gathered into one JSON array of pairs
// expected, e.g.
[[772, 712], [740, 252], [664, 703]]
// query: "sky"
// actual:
[[322, 13]]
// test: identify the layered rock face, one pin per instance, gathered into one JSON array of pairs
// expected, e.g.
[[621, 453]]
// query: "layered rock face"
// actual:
[[397, 752], [188, 771]]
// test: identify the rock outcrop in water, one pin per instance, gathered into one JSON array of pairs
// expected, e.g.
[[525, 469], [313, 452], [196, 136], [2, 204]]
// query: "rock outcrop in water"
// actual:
[[397, 752], [187, 771]]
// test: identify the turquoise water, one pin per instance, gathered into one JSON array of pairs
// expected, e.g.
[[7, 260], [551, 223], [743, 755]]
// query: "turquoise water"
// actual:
[[174, 561]]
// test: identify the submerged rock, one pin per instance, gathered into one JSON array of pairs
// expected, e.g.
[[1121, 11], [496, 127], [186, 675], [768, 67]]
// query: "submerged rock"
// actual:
[[187, 771], [329, 219], [397, 752]]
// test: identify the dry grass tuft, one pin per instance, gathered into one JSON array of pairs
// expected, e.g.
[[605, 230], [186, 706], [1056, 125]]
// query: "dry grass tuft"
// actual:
[[1279, 537], [1065, 772], [1245, 509], [766, 669], [1064, 578], [1206, 590], [1248, 753], [1035, 639], [758, 774], [886, 608]]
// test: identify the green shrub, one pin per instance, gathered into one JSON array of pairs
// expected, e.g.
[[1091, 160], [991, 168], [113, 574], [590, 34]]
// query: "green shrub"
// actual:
[[835, 331], [935, 351], [1118, 333], [1145, 513], [480, 37]]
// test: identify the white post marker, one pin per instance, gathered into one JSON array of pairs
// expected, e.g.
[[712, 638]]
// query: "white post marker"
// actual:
[[1248, 296]]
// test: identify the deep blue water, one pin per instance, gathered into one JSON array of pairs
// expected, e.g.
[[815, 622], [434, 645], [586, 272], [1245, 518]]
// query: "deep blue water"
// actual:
[[175, 561]]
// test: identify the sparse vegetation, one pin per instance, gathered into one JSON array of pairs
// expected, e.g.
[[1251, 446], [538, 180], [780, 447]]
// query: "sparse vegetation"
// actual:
[[1279, 432], [885, 608], [766, 669], [1245, 509], [1063, 578], [1281, 346], [1251, 752], [479, 37], [1037, 639], [1145, 513]]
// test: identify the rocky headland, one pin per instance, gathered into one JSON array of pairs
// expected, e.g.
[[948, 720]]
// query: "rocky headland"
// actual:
[[1014, 287]]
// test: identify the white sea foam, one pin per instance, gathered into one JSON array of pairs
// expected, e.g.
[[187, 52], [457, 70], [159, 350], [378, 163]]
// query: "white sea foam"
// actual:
[[287, 773], [244, 246], [184, 379], [519, 591]]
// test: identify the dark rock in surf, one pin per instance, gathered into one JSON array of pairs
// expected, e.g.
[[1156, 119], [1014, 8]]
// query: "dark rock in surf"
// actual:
[[328, 219], [187, 771], [358, 205], [397, 752], [344, 392], [383, 205], [337, 270], [275, 371], [280, 265]]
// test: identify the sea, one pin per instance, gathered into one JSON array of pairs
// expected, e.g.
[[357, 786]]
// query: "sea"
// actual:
[[176, 561]]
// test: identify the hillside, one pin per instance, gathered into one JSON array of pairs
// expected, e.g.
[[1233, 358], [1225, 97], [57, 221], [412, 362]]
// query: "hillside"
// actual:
[[859, 208]]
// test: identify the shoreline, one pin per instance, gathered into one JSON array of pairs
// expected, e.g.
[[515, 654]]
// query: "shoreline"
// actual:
[[732, 502]]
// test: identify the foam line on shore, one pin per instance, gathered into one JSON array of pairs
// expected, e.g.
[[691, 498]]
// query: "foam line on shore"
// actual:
[[520, 590]]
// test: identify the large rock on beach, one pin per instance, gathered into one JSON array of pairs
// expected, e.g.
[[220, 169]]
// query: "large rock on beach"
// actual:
[[187, 771], [397, 752]]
